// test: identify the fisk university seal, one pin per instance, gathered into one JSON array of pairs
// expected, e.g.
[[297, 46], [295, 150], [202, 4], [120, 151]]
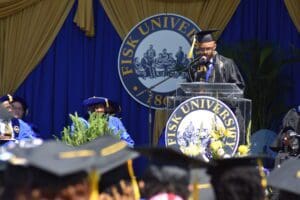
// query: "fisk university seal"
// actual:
[[154, 50]]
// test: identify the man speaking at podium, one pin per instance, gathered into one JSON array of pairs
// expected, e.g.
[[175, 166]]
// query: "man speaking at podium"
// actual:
[[209, 66]]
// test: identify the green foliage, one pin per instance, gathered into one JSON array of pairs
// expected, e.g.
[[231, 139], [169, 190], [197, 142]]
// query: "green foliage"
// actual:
[[262, 66], [81, 133]]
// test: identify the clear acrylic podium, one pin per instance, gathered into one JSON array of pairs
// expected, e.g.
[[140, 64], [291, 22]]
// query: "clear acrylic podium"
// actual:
[[229, 93], [209, 89]]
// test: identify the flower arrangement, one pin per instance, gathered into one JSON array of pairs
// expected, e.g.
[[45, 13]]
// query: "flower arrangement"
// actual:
[[219, 135], [81, 132]]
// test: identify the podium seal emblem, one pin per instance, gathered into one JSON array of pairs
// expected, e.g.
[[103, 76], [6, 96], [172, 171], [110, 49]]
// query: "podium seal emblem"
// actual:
[[203, 126]]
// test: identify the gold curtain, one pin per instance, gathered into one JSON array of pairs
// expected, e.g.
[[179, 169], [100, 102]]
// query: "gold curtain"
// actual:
[[124, 14], [84, 17], [160, 120], [9, 7], [26, 36], [293, 6]]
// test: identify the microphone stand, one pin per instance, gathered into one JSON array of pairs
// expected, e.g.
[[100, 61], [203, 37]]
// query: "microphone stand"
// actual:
[[150, 94]]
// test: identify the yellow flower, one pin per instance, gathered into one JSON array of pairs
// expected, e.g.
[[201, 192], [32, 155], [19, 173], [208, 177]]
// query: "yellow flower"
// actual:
[[216, 134], [216, 145], [226, 132], [243, 150], [192, 150]]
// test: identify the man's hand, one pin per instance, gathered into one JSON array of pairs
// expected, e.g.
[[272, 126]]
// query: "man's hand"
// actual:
[[125, 194]]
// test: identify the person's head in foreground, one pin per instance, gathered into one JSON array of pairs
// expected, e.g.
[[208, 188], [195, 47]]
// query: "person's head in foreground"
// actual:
[[238, 179]]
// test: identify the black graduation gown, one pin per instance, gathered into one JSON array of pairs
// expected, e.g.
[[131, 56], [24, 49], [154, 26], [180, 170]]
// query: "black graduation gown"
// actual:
[[224, 71]]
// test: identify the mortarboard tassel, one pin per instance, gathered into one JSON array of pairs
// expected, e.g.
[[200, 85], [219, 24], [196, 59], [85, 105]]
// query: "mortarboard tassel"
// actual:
[[106, 103], [135, 186], [262, 174], [10, 98], [191, 52], [93, 181], [195, 191]]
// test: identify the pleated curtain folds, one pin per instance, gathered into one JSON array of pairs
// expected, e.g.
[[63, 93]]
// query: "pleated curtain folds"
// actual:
[[27, 29]]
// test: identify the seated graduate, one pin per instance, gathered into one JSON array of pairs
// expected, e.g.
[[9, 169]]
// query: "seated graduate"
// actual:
[[106, 106], [44, 172], [12, 129], [55, 170], [213, 67], [20, 110]]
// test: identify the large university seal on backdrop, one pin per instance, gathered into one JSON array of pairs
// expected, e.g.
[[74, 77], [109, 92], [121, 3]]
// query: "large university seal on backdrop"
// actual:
[[155, 49], [199, 122]]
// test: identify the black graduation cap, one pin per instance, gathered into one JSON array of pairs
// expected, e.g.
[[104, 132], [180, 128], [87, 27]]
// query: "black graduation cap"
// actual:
[[113, 161], [6, 97], [205, 35], [110, 106], [57, 158], [170, 166], [16, 170], [111, 152], [239, 161], [286, 177], [167, 173], [50, 167], [222, 165], [172, 157]]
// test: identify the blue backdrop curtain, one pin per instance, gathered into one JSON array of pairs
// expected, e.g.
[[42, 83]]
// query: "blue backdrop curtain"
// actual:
[[267, 21], [77, 67]]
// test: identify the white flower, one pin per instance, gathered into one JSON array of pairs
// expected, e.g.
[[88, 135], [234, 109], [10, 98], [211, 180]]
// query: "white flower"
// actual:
[[221, 152]]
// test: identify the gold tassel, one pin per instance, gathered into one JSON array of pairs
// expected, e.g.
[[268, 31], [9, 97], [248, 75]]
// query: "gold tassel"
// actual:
[[93, 182], [191, 52], [195, 191], [10, 98], [106, 103], [262, 174], [134, 183]]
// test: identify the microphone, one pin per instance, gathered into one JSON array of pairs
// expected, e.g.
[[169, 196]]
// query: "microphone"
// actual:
[[201, 60]]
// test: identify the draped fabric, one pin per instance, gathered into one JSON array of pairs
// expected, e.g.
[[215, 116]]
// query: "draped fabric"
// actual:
[[124, 14], [10, 7], [76, 67], [84, 17], [160, 120], [26, 36], [293, 7]]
